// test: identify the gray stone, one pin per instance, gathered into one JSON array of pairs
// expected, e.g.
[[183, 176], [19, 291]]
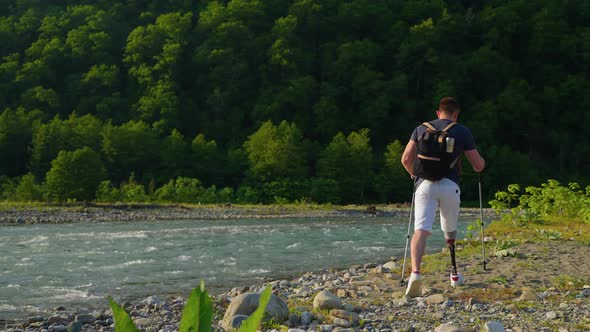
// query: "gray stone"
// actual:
[[448, 303], [36, 325], [294, 319], [391, 265], [348, 307], [350, 316], [325, 300], [145, 321], [552, 315], [237, 320], [58, 328], [341, 293], [306, 318], [341, 322], [528, 295], [448, 327], [493, 326], [35, 319], [151, 301], [59, 320], [403, 301], [435, 299], [325, 328], [478, 306], [85, 318], [75, 326], [246, 304], [304, 292]]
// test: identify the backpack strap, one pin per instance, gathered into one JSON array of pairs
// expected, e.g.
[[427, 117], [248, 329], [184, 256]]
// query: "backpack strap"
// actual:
[[449, 126], [429, 126], [444, 131]]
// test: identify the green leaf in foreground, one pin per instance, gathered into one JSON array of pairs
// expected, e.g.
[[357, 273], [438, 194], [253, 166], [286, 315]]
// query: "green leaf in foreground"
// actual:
[[198, 311], [253, 322], [123, 322]]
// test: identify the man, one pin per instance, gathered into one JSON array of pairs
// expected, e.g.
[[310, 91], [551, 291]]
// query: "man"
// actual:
[[433, 193]]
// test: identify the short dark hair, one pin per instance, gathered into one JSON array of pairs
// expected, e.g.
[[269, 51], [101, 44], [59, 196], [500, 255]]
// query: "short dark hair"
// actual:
[[449, 105]]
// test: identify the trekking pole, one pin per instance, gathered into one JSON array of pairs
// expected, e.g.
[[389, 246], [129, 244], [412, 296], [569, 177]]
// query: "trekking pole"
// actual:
[[402, 281], [483, 247]]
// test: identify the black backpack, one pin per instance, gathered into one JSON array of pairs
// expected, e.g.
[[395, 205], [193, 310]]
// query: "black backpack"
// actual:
[[434, 159]]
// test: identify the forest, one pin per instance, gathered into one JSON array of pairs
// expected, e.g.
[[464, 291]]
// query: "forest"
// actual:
[[279, 101]]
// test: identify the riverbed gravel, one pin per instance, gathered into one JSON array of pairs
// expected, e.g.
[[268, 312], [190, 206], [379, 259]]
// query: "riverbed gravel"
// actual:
[[92, 214], [371, 298]]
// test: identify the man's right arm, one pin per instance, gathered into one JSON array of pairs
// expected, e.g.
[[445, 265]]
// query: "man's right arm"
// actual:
[[475, 159]]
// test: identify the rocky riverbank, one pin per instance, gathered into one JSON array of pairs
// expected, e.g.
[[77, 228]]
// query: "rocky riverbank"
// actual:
[[528, 289], [88, 213]]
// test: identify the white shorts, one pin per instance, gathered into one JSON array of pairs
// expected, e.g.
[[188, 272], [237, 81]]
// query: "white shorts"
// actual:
[[432, 195]]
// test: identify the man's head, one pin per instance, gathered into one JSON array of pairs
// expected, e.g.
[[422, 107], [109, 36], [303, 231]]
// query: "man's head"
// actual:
[[448, 108]]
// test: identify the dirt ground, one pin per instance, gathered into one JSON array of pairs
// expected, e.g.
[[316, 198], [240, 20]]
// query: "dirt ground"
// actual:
[[530, 265]]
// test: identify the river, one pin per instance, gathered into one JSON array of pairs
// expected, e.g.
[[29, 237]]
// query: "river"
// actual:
[[79, 265]]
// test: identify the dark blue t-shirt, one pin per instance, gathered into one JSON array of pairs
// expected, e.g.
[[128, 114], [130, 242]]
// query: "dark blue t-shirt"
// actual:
[[463, 141]]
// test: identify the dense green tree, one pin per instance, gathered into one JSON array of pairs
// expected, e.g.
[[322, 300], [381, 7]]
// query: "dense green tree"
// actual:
[[206, 161], [276, 151], [99, 93], [393, 183], [174, 155], [349, 161], [15, 137], [28, 190], [70, 134], [130, 148], [75, 175]]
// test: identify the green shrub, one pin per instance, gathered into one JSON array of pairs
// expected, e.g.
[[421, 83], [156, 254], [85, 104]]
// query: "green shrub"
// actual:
[[550, 199], [190, 190], [225, 195], [27, 190], [107, 193], [325, 191], [249, 195], [75, 175], [133, 192], [7, 187]]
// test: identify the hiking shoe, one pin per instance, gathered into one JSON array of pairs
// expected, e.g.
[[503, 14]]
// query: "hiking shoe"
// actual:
[[414, 283], [457, 279]]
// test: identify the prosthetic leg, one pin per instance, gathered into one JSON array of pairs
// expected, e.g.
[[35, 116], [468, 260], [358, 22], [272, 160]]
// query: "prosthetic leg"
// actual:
[[456, 278]]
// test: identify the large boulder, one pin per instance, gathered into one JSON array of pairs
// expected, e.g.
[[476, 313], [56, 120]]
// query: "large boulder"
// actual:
[[246, 304], [326, 300]]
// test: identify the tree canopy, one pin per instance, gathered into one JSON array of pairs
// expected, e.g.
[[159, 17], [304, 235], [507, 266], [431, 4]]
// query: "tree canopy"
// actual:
[[259, 96]]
